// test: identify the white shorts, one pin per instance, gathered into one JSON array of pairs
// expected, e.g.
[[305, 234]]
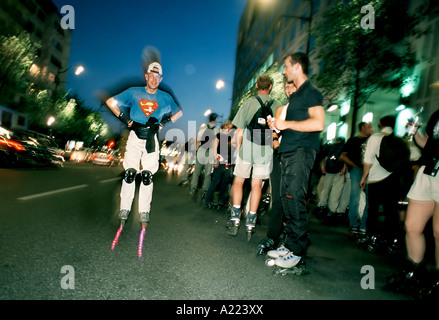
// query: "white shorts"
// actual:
[[243, 169], [425, 187]]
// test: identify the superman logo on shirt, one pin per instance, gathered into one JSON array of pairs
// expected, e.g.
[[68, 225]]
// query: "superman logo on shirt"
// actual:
[[148, 107]]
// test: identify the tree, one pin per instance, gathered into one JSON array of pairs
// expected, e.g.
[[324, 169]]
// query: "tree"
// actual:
[[17, 53], [365, 46]]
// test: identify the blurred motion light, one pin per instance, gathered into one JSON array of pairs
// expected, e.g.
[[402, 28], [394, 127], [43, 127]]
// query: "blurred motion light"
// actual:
[[400, 107], [207, 112]]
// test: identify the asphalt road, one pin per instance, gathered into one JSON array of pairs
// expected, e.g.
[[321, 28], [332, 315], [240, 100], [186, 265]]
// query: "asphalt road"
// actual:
[[57, 225]]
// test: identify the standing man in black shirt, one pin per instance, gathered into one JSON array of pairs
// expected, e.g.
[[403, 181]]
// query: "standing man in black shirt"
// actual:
[[304, 121]]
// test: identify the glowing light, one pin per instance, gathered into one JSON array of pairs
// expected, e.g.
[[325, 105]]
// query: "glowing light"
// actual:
[[408, 87], [116, 238], [332, 108], [142, 236], [220, 84], [207, 112], [332, 131], [400, 107], [368, 117], [16, 145], [50, 121], [344, 108], [79, 70]]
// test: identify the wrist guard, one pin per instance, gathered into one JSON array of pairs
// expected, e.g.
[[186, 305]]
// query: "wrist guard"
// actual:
[[124, 118], [165, 121]]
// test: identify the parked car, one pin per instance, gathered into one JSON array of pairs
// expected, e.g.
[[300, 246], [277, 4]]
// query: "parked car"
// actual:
[[78, 155], [26, 148], [11, 150], [106, 158]]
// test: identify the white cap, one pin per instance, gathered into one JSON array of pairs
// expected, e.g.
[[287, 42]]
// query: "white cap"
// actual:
[[155, 65]]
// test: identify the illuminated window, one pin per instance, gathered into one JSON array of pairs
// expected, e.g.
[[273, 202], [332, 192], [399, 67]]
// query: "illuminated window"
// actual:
[[368, 117], [332, 131]]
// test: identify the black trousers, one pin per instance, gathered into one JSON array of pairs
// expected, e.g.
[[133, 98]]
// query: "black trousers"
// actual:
[[386, 193], [295, 170], [276, 217], [221, 176]]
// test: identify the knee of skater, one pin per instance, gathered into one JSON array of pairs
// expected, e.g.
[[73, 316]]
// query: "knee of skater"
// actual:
[[130, 175], [147, 177]]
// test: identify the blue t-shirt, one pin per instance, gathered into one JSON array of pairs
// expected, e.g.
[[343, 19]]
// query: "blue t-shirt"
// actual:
[[143, 105]]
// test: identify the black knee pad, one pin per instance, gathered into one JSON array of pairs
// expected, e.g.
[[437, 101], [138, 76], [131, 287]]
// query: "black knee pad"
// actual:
[[147, 177], [130, 175]]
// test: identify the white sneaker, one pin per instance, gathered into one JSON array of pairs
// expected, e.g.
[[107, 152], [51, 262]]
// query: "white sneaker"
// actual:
[[279, 252], [287, 261]]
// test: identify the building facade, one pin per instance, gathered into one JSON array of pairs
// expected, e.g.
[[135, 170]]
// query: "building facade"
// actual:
[[270, 30], [42, 20]]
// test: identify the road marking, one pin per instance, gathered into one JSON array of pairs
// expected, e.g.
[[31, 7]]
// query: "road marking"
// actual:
[[49, 193], [110, 180]]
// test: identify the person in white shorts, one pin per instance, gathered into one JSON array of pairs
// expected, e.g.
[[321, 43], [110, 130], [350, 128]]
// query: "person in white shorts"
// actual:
[[424, 205], [251, 156]]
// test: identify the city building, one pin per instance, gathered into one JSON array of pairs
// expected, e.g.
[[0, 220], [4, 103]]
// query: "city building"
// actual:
[[42, 20], [269, 30]]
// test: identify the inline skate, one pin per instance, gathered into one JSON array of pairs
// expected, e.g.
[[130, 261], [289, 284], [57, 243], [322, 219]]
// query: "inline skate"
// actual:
[[234, 222], [285, 262], [265, 245], [250, 225]]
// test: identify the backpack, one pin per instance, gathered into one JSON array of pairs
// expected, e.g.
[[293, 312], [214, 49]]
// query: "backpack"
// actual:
[[394, 154], [258, 131]]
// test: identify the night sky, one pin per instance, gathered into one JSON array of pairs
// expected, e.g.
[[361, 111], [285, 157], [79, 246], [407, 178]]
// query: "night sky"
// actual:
[[197, 40]]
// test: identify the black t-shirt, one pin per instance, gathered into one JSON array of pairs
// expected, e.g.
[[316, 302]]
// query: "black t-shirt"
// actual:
[[431, 149], [354, 150], [307, 96]]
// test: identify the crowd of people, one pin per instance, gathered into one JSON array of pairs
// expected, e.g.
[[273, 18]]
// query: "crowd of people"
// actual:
[[350, 184], [348, 181]]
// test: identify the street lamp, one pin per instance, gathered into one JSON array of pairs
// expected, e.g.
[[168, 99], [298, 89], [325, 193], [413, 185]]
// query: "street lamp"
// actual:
[[79, 70], [220, 84], [50, 121]]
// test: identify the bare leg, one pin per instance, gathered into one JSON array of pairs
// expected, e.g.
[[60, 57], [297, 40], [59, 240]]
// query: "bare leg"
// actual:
[[255, 197], [418, 214]]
